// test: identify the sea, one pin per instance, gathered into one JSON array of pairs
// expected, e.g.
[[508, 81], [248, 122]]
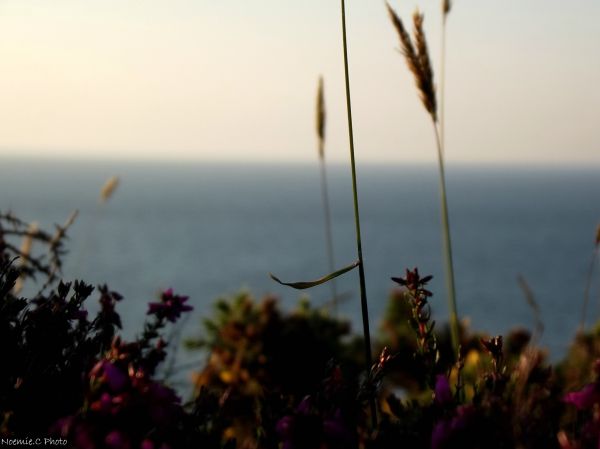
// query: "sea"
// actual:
[[211, 230]]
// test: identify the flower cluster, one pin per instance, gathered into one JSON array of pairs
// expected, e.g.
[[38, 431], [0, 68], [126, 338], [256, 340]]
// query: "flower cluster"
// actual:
[[417, 294], [587, 402], [72, 376], [170, 307], [124, 407]]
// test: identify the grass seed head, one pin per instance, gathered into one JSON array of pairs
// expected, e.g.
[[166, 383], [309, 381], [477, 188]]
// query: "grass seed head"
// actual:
[[425, 78], [417, 59], [321, 116], [109, 188], [446, 7]]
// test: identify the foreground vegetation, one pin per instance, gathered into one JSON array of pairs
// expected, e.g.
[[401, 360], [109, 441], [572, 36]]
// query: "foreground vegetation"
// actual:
[[274, 379]]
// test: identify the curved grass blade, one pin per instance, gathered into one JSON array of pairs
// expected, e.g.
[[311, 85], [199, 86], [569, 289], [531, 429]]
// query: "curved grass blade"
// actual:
[[309, 284]]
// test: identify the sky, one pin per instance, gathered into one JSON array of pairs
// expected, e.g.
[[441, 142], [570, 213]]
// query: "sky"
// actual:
[[235, 80]]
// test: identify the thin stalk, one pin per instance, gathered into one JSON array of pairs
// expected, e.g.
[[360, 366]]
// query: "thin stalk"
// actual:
[[328, 234], [443, 85], [450, 288], [588, 284], [361, 268]]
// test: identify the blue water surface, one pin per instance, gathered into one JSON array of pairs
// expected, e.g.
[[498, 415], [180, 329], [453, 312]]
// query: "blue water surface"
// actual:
[[209, 230]]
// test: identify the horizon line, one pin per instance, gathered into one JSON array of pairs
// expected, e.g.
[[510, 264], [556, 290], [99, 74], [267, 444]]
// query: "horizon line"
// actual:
[[512, 164]]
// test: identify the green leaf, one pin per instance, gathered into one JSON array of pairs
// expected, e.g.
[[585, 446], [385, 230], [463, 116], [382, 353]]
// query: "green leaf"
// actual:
[[310, 284]]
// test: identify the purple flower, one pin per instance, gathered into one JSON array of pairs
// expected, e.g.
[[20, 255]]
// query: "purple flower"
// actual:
[[83, 439], [103, 404], [147, 444], [284, 427], [304, 406], [116, 440], [162, 402], [170, 306], [440, 434], [443, 395], [310, 429], [585, 398], [445, 429], [111, 374], [336, 430]]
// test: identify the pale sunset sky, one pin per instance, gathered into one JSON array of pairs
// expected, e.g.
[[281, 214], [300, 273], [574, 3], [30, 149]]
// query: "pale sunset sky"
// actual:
[[235, 80]]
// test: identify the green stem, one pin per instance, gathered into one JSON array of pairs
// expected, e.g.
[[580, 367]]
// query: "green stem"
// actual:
[[454, 331], [328, 234], [361, 268]]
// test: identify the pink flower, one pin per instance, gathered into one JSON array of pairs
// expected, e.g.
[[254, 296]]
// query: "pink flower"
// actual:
[[585, 398], [170, 306], [147, 444], [111, 374], [116, 440]]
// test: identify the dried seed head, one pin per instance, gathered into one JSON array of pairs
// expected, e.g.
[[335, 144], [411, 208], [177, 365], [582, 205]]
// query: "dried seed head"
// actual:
[[417, 59], [425, 80], [406, 45], [321, 117], [598, 236], [446, 7], [108, 188]]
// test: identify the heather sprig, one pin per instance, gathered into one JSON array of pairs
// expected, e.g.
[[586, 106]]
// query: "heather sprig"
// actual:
[[170, 307], [497, 379], [416, 293]]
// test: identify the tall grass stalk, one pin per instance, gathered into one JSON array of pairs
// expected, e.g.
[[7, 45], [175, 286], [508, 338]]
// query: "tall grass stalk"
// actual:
[[321, 126], [448, 259], [441, 144], [418, 61], [361, 267]]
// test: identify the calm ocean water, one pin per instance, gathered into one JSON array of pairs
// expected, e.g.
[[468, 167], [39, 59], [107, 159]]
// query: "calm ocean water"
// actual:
[[209, 230]]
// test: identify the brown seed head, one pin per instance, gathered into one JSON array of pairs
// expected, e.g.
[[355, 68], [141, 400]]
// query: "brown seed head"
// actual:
[[321, 117], [108, 188], [406, 45], [417, 59], [425, 80], [598, 235], [446, 7]]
